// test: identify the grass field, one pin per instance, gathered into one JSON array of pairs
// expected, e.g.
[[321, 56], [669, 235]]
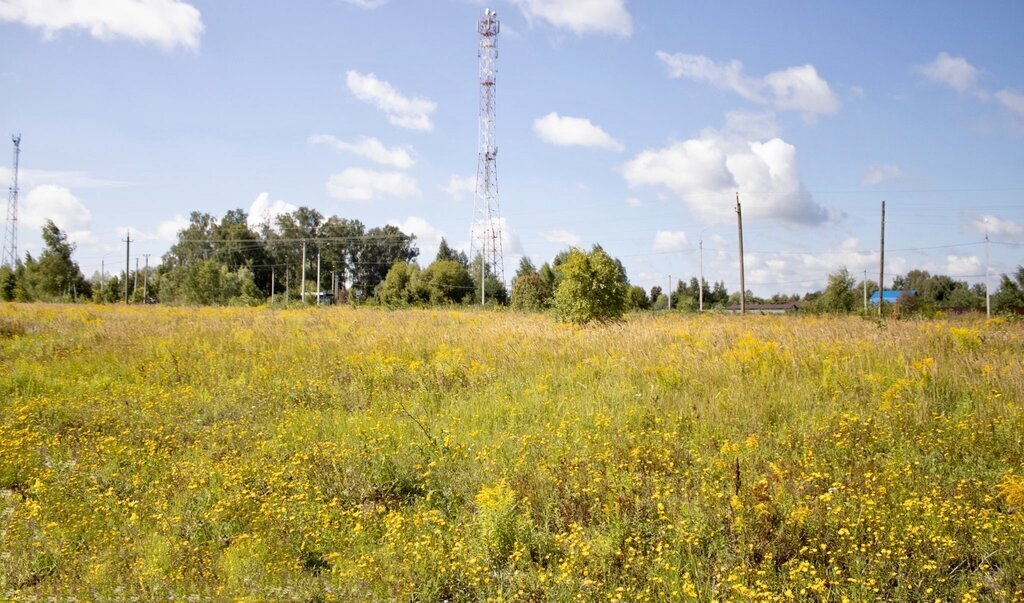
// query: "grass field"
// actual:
[[364, 455]]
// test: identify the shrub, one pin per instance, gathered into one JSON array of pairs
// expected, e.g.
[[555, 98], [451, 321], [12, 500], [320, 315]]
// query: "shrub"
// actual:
[[530, 293], [591, 289]]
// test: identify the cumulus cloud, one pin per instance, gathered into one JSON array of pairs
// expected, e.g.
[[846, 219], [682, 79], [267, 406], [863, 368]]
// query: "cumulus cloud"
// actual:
[[428, 236], [402, 111], [962, 266], [1013, 101], [668, 240], [608, 17], [634, 202], [168, 229], [562, 237], [511, 244], [998, 227], [798, 88], [460, 186], [573, 131], [357, 184], [57, 203], [705, 172], [951, 71], [370, 148], [877, 174], [165, 23], [264, 211]]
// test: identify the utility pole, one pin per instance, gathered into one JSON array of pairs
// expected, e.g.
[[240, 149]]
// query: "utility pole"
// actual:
[[700, 289], [865, 292], [127, 262], [881, 264], [670, 292], [145, 279], [318, 277], [988, 298], [272, 275], [303, 288], [135, 283], [743, 285]]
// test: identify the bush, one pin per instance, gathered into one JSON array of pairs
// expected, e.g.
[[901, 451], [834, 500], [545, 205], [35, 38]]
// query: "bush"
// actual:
[[446, 282], [591, 289], [530, 293]]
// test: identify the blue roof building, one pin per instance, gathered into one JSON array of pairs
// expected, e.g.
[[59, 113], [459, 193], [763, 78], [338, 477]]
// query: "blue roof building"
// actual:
[[890, 296]]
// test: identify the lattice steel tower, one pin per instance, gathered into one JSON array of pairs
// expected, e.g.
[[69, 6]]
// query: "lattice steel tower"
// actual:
[[10, 254], [485, 237]]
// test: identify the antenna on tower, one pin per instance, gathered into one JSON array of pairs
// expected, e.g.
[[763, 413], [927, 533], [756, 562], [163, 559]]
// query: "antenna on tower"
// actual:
[[10, 252], [485, 237]]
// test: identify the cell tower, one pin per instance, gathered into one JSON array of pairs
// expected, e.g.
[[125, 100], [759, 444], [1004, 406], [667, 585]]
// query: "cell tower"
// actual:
[[485, 237], [10, 257]]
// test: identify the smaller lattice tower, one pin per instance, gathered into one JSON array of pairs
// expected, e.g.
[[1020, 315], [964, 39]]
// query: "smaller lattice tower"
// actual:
[[10, 253], [485, 237]]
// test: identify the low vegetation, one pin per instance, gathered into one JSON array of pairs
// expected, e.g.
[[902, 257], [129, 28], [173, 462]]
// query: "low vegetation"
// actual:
[[437, 455]]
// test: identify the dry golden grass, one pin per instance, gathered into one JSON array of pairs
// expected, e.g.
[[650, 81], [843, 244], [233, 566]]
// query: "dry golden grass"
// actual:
[[341, 454]]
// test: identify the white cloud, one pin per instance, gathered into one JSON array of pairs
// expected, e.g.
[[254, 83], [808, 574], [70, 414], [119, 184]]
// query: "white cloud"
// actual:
[[511, 244], [412, 113], [573, 131], [798, 88], [263, 211], [428, 236], [367, 4], [357, 184], [998, 227], [755, 126], [165, 23], [168, 229], [458, 186], [960, 266], [706, 172], [634, 202], [57, 203], [1013, 101], [371, 148], [951, 71], [877, 174], [581, 16], [667, 240], [66, 178], [562, 237]]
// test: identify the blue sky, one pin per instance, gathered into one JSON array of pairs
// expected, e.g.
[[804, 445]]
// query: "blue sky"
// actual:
[[627, 123]]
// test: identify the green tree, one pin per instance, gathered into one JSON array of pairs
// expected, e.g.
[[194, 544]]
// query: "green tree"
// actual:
[[525, 267], [838, 295], [55, 275], [446, 281], [637, 299], [446, 253], [7, 283], [591, 288], [399, 286], [530, 293], [376, 252], [494, 290], [1010, 295]]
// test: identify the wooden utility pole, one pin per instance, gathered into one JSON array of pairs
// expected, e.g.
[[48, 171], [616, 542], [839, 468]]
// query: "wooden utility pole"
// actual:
[[272, 275], [127, 262], [865, 292], [302, 289], [318, 277], [743, 285], [881, 265], [145, 279]]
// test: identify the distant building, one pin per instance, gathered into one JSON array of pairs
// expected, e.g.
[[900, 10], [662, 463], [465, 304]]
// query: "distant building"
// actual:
[[890, 296], [786, 308]]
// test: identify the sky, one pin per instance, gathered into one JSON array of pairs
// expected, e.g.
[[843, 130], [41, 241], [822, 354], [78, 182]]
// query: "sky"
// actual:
[[626, 123]]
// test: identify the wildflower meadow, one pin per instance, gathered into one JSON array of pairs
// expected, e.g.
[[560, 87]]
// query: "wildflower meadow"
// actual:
[[455, 455]]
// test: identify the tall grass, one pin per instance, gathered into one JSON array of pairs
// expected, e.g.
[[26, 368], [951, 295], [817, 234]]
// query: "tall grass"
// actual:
[[435, 455]]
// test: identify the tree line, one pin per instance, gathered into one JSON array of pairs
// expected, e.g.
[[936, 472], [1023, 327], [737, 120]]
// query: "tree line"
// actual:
[[227, 261]]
